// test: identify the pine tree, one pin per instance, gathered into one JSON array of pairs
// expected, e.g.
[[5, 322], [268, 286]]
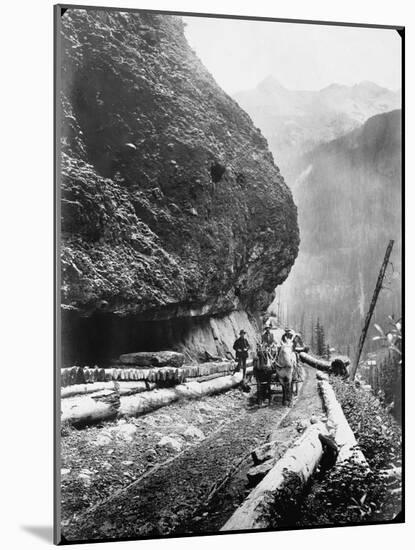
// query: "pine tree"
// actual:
[[319, 338], [312, 332], [321, 342], [302, 326], [327, 352]]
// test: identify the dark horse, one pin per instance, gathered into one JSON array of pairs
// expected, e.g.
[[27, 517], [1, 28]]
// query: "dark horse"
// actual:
[[263, 371]]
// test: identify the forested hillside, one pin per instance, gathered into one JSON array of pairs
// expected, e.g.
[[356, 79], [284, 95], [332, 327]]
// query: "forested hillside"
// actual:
[[349, 199]]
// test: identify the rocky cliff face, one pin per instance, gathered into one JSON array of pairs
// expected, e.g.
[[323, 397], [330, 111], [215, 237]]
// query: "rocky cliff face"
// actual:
[[171, 203]]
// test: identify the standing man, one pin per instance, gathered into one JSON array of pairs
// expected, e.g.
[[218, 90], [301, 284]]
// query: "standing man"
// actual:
[[268, 337], [241, 347]]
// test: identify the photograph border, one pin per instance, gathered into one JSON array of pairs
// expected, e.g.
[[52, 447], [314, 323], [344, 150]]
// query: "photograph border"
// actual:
[[58, 11]]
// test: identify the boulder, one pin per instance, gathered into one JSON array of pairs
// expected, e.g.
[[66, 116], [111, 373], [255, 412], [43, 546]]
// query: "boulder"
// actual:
[[192, 432], [127, 431], [264, 452], [102, 439], [166, 189], [257, 473], [170, 443], [150, 455]]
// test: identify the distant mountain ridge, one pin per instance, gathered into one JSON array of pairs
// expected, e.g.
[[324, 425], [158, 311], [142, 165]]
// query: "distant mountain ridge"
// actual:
[[349, 206], [296, 121]]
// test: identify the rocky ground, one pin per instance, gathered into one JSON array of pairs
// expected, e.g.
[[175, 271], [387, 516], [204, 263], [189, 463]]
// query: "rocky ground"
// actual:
[[181, 469]]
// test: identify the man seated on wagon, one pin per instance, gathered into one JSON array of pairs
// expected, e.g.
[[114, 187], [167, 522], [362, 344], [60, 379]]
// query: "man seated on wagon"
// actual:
[[291, 337], [294, 338], [267, 336], [268, 341]]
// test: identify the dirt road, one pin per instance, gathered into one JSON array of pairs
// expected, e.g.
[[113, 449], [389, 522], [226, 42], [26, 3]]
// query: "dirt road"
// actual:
[[180, 494]]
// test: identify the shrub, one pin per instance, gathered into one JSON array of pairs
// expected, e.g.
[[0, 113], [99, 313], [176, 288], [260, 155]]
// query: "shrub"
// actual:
[[377, 433], [66, 428], [349, 493], [285, 511]]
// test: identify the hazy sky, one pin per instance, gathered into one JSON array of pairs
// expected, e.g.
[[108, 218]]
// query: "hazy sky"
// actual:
[[240, 53]]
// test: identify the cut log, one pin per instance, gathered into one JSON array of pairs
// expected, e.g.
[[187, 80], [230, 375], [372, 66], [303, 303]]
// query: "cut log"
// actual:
[[338, 364], [150, 401], [85, 409], [205, 378], [88, 410], [344, 436], [300, 460], [153, 359], [126, 388], [315, 362]]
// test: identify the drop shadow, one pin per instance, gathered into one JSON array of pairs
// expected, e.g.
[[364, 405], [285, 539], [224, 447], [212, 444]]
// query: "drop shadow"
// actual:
[[42, 532]]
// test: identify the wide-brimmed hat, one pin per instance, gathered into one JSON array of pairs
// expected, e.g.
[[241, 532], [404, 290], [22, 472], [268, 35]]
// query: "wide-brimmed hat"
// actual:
[[287, 329], [242, 331]]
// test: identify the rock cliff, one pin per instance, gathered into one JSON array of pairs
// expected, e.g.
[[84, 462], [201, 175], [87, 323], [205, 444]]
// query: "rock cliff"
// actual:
[[171, 204]]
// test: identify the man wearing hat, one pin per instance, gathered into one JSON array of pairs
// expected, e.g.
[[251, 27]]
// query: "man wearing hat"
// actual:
[[241, 347], [268, 337], [291, 337], [296, 341]]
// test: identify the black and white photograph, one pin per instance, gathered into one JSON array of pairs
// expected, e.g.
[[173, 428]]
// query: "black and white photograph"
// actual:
[[229, 327]]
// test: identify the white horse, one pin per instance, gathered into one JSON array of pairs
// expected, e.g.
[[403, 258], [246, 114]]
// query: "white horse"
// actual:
[[286, 362]]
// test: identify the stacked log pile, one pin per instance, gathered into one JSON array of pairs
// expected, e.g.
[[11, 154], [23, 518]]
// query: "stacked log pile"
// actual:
[[137, 385], [86, 375]]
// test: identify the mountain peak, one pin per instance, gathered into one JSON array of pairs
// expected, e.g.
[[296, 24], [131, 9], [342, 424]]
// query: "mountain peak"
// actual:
[[334, 86], [271, 83], [368, 85]]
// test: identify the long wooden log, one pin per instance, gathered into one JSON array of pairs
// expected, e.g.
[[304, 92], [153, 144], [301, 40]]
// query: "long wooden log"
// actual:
[[88, 410], [153, 359], [126, 388], [344, 436], [315, 362], [150, 401], [301, 460], [205, 378], [337, 365]]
